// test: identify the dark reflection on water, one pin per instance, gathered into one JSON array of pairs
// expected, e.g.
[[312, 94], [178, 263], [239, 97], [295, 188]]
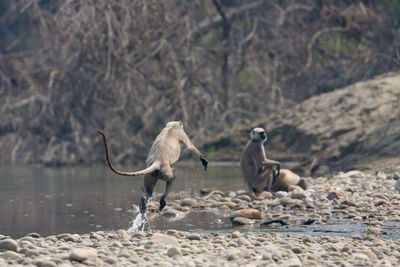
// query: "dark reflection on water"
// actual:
[[83, 199]]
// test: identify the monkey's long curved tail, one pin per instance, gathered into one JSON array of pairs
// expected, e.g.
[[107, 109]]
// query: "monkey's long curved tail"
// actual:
[[153, 167]]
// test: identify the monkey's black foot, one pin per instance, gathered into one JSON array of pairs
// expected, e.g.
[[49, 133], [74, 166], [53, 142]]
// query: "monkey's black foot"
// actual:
[[142, 207], [163, 203], [204, 162]]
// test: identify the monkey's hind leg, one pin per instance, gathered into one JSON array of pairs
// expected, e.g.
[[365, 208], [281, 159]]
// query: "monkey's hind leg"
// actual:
[[163, 203], [149, 183]]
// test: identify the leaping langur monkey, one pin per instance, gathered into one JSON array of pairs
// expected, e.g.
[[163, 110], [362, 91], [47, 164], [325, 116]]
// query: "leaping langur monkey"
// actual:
[[164, 153]]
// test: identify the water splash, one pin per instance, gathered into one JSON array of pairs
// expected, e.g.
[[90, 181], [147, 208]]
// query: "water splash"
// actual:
[[140, 223]]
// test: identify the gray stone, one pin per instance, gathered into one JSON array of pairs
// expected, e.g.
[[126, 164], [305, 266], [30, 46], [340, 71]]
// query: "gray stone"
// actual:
[[397, 185], [194, 236], [332, 195], [276, 255], [367, 186], [173, 251], [188, 202], [281, 194], [8, 244], [396, 176], [171, 213], [241, 221]]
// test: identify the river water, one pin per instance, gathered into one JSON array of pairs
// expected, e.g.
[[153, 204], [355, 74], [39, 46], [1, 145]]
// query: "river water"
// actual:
[[84, 199]]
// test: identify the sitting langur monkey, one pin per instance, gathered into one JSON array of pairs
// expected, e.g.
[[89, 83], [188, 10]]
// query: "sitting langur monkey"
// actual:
[[258, 171], [163, 154], [256, 168]]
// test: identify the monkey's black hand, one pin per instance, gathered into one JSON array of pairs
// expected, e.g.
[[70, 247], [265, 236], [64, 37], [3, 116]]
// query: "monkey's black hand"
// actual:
[[204, 162], [278, 168]]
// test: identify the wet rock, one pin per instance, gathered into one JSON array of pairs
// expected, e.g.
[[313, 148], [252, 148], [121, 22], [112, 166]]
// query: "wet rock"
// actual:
[[8, 244], [375, 231], [396, 176], [34, 235], [171, 213], [241, 221], [73, 238], [194, 236], [244, 198], [81, 254], [173, 251], [230, 204], [281, 194], [188, 202], [246, 213], [332, 195], [139, 234]]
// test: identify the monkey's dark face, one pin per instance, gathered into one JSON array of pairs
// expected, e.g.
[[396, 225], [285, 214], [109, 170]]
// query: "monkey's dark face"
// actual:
[[258, 134], [263, 135]]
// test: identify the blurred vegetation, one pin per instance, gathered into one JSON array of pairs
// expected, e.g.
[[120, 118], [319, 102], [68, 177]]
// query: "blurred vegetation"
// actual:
[[68, 68]]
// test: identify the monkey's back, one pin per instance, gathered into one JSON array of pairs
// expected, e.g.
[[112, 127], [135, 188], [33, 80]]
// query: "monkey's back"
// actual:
[[166, 149], [250, 161]]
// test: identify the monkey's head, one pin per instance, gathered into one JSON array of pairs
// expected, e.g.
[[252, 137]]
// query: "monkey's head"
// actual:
[[258, 134], [178, 124]]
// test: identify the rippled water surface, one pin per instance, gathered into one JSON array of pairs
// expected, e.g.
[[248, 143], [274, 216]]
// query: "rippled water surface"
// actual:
[[83, 199]]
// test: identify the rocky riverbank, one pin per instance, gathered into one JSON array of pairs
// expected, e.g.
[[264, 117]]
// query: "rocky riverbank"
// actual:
[[367, 198], [176, 248]]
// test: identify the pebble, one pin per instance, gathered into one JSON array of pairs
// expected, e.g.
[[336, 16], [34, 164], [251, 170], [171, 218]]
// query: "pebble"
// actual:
[[236, 234], [292, 262], [81, 254], [9, 255], [332, 195], [173, 251], [397, 185], [158, 238], [8, 244], [367, 186], [281, 194]]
